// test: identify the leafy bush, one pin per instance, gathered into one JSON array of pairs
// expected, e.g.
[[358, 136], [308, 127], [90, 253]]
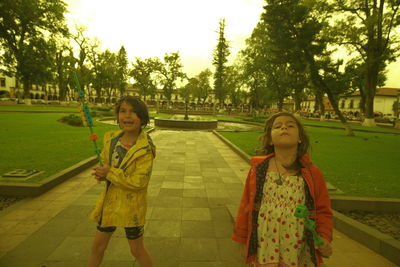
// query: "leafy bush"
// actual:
[[260, 119], [72, 120]]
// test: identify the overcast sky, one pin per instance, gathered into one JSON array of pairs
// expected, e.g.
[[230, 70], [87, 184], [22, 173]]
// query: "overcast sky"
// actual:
[[151, 28]]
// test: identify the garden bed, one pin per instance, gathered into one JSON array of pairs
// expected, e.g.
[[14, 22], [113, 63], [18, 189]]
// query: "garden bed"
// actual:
[[387, 223]]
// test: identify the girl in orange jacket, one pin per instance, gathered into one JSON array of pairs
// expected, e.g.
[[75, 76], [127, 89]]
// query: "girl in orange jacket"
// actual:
[[277, 182]]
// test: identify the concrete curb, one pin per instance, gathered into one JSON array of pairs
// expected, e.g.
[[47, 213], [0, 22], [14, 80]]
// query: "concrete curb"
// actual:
[[238, 151], [382, 244], [30, 189]]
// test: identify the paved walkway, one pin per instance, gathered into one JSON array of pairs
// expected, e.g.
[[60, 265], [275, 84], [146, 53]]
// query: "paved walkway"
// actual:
[[196, 180]]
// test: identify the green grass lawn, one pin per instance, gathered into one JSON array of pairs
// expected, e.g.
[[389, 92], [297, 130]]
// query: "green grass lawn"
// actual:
[[38, 141], [365, 165], [39, 108]]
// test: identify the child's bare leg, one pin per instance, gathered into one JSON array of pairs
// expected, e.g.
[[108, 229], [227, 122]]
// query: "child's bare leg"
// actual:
[[99, 245], [139, 252]]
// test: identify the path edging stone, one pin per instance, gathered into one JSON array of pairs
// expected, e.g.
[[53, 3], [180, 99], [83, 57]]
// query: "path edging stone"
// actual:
[[30, 189]]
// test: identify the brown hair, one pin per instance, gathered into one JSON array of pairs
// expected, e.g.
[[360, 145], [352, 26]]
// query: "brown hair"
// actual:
[[265, 138], [138, 105]]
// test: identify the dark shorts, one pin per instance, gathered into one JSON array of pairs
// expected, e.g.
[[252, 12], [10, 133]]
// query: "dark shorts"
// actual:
[[131, 233]]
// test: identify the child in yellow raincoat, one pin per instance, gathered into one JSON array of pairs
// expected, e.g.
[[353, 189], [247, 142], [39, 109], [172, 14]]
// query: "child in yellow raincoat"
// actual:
[[127, 158]]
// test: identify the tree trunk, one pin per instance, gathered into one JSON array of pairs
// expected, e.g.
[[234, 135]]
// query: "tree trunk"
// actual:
[[27, 95], [280, 104], [372, 75], [362, 101]]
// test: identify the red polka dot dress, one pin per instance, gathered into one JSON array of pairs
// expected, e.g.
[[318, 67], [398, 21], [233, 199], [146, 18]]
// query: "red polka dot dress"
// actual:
[[280, 233]]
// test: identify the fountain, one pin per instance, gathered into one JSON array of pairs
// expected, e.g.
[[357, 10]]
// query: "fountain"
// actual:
[[180, 122]]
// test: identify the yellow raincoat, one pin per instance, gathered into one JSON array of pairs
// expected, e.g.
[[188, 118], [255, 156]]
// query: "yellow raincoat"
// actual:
[[124, 202]]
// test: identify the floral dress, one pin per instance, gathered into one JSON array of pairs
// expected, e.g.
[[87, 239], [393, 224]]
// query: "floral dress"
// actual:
[[281, 240]]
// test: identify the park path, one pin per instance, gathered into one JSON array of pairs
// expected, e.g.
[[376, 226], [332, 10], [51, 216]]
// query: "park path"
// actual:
[[196, 185]]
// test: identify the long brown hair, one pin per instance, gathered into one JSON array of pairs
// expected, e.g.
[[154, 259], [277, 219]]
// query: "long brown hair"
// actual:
[[265, 139]]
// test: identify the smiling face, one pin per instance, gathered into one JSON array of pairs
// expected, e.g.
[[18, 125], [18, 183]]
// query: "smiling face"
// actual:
[[127, 118], [285, 132]]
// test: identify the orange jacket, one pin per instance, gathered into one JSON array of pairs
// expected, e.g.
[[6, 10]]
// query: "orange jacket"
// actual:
[[317, 201]]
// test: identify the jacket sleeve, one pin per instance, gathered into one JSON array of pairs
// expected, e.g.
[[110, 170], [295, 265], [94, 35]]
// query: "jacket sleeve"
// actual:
[[103, 154], [324, 216], [241, 228], [135, 177]]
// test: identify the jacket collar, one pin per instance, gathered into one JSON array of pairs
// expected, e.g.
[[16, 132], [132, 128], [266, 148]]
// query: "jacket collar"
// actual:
[[142, 146]]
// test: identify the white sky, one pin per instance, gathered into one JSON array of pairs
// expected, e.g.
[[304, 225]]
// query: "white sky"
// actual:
[[151, 28]]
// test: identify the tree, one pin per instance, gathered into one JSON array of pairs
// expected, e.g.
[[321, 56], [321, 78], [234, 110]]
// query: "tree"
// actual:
[[107, 74], [367, 28], [170, 71], [221, 54], [24, 30], [64, 63], [88, 51], [304, 27], [90, 73], [202, 91], [233, 83], [122, 70], [144, 73], [259, 72], [186, 91]]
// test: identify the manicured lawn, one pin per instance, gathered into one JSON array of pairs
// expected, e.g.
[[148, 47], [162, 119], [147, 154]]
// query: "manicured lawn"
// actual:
[[364, 165], [38, 141], [39, 108]]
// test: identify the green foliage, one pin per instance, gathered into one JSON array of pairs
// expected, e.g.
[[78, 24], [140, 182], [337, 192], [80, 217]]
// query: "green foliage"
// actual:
[[258, 119], [170, 71], [73, 119], [367, 28], [144, 72], [24, 36], [203, 88], [121, 70], [221, 53]]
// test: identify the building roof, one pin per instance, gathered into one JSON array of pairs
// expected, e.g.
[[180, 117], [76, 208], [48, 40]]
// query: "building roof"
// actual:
[[382, 92]]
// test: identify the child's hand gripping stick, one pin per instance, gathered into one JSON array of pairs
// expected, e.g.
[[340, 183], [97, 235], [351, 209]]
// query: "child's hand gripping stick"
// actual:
[[302, 212]]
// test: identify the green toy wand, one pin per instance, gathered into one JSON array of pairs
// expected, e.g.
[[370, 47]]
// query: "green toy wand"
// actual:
[[302, 212], [87, 117]]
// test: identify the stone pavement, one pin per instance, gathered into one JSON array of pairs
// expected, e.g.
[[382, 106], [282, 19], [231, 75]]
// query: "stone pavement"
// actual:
[[196, 180]]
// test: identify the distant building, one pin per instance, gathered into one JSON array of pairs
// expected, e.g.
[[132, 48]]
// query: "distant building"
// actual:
[[383, 102]]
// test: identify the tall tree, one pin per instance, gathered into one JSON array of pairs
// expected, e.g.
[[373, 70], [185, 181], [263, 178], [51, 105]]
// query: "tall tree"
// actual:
[[221, 53], [202, 91], [186, 91], [144, 73], [233, 83], [24, 30], [122, 70], [88, 50], [170, 72], [304, 27], [367, 27], [259, 74], [64, 63]]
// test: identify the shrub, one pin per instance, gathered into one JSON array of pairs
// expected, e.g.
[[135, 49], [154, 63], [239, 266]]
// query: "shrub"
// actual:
[[72, 120]]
